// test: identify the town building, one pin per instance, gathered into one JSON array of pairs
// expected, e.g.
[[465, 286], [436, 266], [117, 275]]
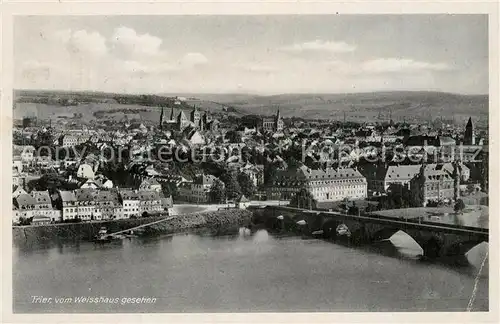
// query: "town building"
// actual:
[[384, 176], [433, 183], [43, 206], [85, 202], [150, 184], [324, 185], [69, 204], [130, 201], [24, 206], [149, 202], [255, 172], [108, 205], [197, 191], [68, 140]]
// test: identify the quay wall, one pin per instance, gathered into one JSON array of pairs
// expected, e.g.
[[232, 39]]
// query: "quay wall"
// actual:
[[87, 230]]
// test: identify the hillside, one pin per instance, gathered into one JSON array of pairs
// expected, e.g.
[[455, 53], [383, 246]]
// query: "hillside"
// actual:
[[410, 106], [369, 106]]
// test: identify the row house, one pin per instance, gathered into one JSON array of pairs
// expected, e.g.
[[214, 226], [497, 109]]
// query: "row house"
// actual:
[[149, 202], [130, 203], [108, 205], [69, 204], [85, 204], [36, 205], [199, 190]]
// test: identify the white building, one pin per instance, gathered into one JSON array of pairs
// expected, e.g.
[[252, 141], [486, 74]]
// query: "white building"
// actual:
[[130, 202], [68, 140], [149, 202], [86, 204], [324, 185], [27, 154], [85, 171], [69, 204]]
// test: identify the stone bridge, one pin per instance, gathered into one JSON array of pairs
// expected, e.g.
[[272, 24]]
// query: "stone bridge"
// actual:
[[435, 239]]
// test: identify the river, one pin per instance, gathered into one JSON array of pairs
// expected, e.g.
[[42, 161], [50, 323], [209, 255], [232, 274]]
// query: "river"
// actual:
[[236, 272]]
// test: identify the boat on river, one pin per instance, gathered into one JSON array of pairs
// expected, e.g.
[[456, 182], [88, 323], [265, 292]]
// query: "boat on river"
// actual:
[[103, 237]]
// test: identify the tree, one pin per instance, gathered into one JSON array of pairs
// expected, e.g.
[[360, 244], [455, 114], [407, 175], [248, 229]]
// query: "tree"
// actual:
[[459, 205], [51, 182], [233, 136], [470, 189], [270, 172], [25, 221], [399, 196], [303, 199], [217, 192], [370, 208], [246, 184], [231, 184], [353, 210], [170, 189]]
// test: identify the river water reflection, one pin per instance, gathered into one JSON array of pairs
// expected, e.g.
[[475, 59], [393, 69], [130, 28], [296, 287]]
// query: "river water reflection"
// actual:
[[237, 272]]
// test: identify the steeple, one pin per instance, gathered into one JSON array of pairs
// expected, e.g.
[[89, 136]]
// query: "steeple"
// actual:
[[469, 135], [456, 179], [469, 123], [161, 118], [172, 114]]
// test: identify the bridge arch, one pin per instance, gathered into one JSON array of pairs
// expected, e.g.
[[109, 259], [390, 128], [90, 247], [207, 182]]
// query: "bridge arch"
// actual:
[[462, 247]]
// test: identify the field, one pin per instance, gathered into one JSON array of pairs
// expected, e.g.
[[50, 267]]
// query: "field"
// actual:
[[54, 112]]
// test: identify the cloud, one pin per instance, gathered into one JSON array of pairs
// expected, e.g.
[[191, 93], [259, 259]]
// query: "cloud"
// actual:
[[35, 70], [81, 41], [136, 44], [193, 59], [154, 67], [255, 67], [135, 67], [394, 65], [320, 46]]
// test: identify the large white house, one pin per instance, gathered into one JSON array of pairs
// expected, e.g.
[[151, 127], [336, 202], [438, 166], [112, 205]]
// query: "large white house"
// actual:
[[324, 185]]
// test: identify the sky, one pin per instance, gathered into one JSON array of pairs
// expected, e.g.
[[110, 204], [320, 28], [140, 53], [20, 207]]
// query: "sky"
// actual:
[[252, 54]]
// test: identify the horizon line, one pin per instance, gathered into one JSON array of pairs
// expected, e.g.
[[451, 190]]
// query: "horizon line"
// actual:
[[253, 93]]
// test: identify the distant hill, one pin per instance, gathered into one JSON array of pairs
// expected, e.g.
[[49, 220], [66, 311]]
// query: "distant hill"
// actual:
[[377, 106], [407, 105]]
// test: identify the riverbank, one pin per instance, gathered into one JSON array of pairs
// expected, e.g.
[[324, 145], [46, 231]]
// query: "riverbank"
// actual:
[[86, 231]]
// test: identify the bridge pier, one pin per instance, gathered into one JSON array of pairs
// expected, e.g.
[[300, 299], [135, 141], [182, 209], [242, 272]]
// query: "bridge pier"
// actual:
[[436, 245]]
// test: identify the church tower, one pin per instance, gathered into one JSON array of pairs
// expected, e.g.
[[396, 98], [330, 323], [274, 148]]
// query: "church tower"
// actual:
[[279, 122], [172, 115], [456, 180], [469, 135], [161, 118], [182, 121], [195, 117]]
